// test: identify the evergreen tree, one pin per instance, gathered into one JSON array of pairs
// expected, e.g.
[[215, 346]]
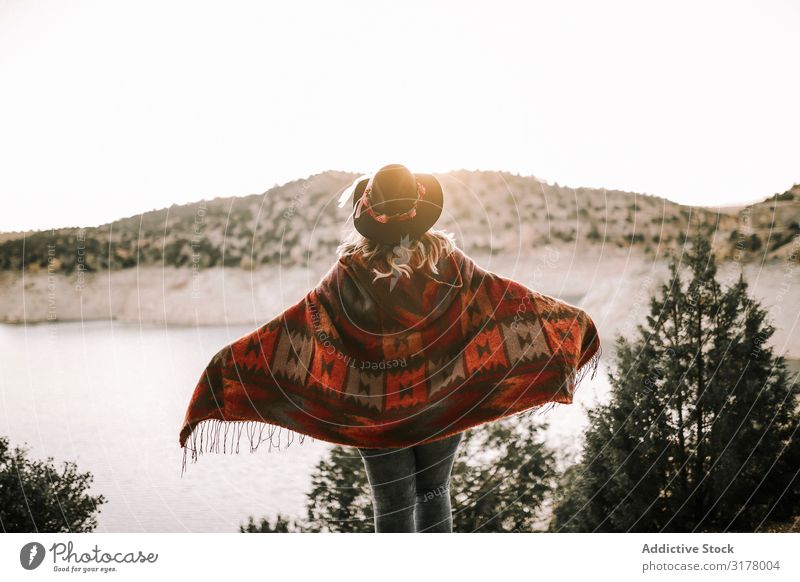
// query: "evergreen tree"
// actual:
[[281, 525], [339, 500], [700, 433], [501, 478], [37, 496]]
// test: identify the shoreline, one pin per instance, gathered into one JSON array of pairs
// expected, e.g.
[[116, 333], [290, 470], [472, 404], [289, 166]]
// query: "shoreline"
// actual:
[[617, 295]]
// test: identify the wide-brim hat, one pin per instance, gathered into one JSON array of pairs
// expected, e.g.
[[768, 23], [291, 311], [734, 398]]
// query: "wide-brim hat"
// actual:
[[395, 204]]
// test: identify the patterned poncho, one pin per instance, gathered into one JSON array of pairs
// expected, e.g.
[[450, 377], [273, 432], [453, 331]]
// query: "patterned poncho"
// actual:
[[392, 362]]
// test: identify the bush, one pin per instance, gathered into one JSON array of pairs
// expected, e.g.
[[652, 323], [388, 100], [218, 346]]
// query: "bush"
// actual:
[[35, 496], [501, 478], [700, 431]]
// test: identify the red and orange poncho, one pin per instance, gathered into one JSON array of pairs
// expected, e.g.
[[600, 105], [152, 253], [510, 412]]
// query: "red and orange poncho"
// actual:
[[394, 362]]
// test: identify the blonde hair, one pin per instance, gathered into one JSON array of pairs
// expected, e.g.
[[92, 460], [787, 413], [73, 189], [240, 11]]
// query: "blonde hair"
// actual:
[[401, 259]]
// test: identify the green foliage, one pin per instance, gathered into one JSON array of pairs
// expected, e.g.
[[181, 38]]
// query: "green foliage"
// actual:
[[594, 233], [281, 525], [699, 433], [752, 243], [339, 500], [501, 477], [35, 496], [781, 237]]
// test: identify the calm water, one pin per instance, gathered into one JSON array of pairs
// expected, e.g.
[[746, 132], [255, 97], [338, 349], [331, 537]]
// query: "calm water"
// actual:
[[112, 397]]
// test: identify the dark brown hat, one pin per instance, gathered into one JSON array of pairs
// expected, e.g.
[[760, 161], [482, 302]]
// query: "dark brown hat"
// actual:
[[395, 203]]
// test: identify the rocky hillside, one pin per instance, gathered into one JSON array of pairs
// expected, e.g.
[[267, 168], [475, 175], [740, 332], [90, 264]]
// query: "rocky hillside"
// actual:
[[490, 212]]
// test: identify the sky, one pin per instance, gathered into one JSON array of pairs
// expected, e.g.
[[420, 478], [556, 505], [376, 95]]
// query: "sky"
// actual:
[[109, 109]]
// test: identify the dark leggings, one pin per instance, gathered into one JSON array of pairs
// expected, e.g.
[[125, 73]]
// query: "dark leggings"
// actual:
[[411, 486]]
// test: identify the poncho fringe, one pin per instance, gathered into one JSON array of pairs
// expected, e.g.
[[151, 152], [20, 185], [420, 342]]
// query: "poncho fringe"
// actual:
[[473, 347], [209, 435]]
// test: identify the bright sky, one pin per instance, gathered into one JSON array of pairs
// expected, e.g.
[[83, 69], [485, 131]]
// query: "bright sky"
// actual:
[[108, 109]]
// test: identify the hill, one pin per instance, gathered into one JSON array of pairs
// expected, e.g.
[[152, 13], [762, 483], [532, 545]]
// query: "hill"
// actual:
[[491, 212]]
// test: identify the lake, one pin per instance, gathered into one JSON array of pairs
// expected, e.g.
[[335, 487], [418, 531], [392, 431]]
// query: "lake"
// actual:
[[111, 396]]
